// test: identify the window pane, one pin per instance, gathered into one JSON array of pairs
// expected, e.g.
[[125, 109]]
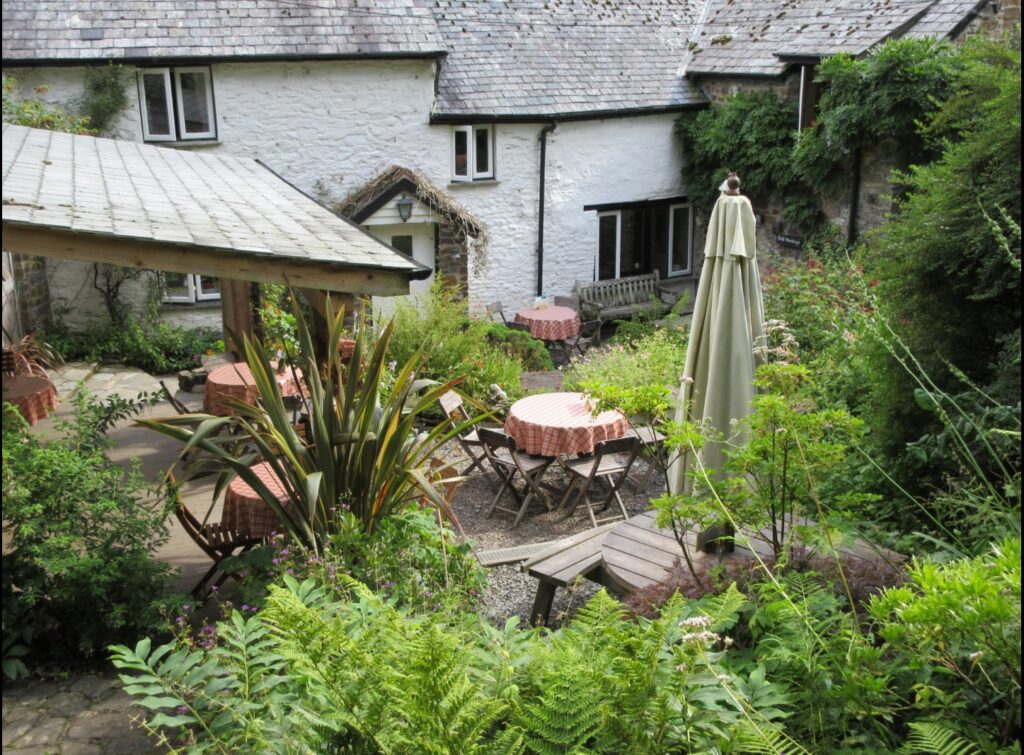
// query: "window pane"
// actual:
[[631, 252], [177, 286], [607, 236], [158, 120], [402, 244], [680, 239], [656, 239], [483, 150], [208, 287], [461, 153], [194, 102]]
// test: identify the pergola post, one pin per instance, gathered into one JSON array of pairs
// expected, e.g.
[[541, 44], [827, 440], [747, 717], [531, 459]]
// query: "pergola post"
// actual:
[[236, 312]]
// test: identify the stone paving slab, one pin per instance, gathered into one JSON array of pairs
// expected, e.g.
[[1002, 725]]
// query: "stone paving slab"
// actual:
[[85, 715]]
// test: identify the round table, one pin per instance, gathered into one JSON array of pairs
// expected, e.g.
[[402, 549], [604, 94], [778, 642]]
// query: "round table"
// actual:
[[556, 424], [246, 512], [235, 381], [33, 396], [551, 323]]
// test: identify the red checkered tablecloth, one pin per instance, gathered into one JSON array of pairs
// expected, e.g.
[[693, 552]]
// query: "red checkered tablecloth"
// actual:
[[33, 396], [247, 513], [550, 323], [235, 381], [553, 424]]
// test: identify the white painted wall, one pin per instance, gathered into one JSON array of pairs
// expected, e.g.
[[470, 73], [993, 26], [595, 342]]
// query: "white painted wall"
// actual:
[[333, 125], [423, 249]]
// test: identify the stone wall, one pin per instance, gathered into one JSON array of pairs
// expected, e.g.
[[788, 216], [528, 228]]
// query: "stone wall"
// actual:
[[33, 297], [452, 260]]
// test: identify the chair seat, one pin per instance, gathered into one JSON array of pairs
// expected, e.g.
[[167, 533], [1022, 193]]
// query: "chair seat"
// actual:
[[647, 435], [529, 463], [608, 465]]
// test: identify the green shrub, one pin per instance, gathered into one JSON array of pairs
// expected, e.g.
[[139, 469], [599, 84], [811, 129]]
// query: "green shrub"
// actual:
[[531, 352], [159, 348], [455, 345], [76, 567], [654, 359], [409, 559], [312, 673]]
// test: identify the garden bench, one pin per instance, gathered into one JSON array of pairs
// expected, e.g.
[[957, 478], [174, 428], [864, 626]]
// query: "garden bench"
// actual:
[[623, 297], [560, 565]]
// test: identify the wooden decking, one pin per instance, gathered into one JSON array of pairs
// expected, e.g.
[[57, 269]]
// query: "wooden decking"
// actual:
[[637, 553]]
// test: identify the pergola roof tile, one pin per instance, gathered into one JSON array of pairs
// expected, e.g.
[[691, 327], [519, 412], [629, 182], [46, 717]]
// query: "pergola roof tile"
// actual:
[[238, 206]]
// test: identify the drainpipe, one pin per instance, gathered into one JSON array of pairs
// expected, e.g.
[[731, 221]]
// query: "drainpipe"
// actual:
[[540, 208], [851, 230]]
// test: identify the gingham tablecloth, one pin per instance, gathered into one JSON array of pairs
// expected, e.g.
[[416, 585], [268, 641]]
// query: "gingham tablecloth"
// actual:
[[247, 513], [235, 381], [550, 323], [552, 424], [33, 396]]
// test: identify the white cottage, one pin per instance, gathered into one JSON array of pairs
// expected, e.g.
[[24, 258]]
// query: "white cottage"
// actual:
[[549, 123]]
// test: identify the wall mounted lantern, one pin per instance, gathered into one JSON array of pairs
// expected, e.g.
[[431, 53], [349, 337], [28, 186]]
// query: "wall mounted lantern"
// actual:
[[404, 208]]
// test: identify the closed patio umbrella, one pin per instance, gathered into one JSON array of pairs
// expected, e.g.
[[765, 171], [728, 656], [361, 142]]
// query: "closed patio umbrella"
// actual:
[[728, 322]]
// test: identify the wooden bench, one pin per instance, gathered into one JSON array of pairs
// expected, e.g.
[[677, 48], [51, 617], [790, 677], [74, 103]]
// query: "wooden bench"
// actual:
[[623, 297], [560, 565]]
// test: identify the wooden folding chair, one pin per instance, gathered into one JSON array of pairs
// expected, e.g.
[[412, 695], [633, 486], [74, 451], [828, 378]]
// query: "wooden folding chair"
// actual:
[[494, 308], [540, 381], [451, 403], [611, 461], [509, 463], [652, 447], [215, 540], [589, 335]]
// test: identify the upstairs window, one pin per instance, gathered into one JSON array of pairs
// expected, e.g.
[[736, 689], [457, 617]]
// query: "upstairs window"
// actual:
[[177, 104], [472, 153]]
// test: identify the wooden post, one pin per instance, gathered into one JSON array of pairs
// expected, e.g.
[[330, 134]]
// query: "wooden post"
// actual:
[[318, 303], [236, 312]]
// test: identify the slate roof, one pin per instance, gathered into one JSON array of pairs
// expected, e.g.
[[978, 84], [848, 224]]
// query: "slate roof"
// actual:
[[753, 39], [124, 189], [946, 18], [558, 57], [51, 30]]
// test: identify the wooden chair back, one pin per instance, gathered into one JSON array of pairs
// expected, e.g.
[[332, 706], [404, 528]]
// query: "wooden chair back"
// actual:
[[495, 307], [518, 326], [538, 381]]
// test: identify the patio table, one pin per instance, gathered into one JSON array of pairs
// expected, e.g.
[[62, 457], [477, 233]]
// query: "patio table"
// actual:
[[552, 323], [235, 381], [561, 424], [34, 396], [246, 512]]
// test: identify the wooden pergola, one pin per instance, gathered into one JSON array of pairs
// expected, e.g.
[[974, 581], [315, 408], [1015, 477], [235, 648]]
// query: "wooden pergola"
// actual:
[[142, 206]]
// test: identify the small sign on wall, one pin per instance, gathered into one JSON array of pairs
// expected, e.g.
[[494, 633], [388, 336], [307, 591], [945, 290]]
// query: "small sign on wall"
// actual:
[[791, 241]]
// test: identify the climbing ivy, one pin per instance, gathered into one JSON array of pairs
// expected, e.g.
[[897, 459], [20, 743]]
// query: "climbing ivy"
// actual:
[[105, 97], [883, 96]]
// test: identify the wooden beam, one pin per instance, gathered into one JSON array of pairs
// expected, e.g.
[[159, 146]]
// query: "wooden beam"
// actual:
[[236, 313], [213, 262]]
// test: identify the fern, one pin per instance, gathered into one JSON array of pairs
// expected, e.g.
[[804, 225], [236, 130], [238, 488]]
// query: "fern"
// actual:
[[936, 739]]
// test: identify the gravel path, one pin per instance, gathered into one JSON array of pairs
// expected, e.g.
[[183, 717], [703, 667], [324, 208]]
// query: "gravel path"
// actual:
[[510, 592]]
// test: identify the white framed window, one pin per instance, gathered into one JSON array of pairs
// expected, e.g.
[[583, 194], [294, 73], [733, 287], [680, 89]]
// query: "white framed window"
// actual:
[[680, 239], [639, 238], [177, 104], [188, 288], [472, 153]]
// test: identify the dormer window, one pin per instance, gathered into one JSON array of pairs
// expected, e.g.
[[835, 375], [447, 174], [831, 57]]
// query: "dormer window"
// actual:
[[472, 153], [177, 104]]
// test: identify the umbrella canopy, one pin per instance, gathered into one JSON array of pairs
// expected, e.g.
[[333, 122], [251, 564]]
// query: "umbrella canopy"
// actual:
[[728, 322]]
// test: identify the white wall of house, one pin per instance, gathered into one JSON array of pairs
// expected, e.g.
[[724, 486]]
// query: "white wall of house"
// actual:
[[332, 125]]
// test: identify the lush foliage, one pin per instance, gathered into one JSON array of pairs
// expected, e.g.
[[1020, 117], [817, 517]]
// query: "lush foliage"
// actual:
[[77, 570], [37, 114], [362, 453], [754, 135], [105, 96], [654, 359], [360, 676], [879, 97], [411, 559], [157, 348], [452, 344], [279, 331], [948, 264]]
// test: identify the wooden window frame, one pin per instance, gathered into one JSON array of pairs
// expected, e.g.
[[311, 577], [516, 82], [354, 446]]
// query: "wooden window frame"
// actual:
[[183, 133], [175, 106], [168, 104], [617, 214], [472, 174]]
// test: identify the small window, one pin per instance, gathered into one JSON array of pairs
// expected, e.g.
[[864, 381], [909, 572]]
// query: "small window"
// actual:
[[177, 104], [472, 153], [402, 244]]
